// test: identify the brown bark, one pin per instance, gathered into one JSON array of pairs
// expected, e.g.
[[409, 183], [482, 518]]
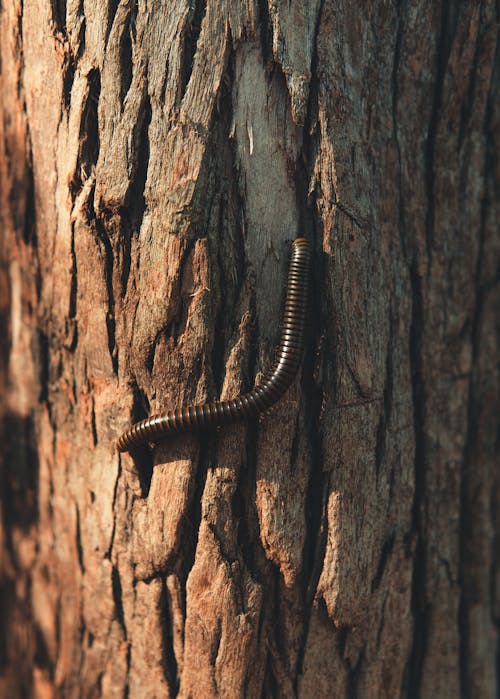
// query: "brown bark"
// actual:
[[155, 162]]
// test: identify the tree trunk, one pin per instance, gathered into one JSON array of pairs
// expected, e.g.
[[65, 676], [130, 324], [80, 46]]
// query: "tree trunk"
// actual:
[[156, 160]]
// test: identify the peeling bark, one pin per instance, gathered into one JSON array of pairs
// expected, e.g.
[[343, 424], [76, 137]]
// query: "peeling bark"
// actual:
[[155, 163]]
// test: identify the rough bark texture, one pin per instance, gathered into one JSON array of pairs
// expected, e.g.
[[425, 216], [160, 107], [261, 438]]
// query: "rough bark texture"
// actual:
[[156, 159]]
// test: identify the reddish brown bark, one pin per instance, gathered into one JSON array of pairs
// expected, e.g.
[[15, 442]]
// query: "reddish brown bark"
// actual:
[[155, 162]]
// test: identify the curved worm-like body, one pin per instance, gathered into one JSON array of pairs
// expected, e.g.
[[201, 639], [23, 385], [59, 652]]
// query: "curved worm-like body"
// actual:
[[263, 396]]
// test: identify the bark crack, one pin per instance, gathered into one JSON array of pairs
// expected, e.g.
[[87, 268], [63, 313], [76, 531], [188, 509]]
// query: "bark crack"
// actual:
[[192, 33], [443, 49], [170, 668], [418, 600], [467, 515]]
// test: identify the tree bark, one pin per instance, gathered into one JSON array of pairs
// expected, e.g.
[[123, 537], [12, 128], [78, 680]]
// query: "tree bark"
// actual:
[[156, 160]]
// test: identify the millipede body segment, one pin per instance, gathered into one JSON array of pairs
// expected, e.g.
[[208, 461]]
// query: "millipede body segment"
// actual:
[[265, 394]]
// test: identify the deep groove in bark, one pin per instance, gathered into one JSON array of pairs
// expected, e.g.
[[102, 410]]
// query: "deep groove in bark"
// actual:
[[88, 153], [42, 353], [443, 49], [108, 266], [74, 278], [243, 508], [191, 36], [68, 78], [58, 8], [117, 596], [354, 676], [135, 201], [315, 543], [385, 553], [126, 52], [265, 32], [142, 457], [170, 669], [418, 602], [79, 547], [383, 426], [473, 412], [27, 222], [192, 529], [41, 656]]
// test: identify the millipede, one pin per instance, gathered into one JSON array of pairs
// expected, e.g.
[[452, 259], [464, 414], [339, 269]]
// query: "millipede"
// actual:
[[261, 397]]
